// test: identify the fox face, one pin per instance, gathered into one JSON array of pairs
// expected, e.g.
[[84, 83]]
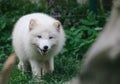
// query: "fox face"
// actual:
[[44, 37]]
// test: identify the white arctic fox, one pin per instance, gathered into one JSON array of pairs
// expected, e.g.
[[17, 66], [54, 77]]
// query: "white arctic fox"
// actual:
[[36, 39]]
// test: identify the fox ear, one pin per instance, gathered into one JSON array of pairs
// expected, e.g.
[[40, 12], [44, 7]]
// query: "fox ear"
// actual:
[[57, 24], [32, 24]]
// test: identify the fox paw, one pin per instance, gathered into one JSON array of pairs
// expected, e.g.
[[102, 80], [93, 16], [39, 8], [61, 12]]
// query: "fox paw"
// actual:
[[21, 67]]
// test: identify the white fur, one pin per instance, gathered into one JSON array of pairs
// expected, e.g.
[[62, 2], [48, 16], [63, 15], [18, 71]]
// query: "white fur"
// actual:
[[26, 42]]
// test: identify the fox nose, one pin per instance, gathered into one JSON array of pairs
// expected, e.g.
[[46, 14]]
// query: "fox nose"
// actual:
[[45, 47]]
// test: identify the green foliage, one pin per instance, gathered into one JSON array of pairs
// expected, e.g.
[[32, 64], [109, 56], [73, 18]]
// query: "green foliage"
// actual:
[[80, 27], [90, 20]]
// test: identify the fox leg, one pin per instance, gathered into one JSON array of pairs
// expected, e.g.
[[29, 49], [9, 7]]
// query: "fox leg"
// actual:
[[22, 66], [49, 66]]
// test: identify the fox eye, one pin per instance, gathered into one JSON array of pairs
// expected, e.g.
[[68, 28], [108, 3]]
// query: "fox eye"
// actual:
[[39, 36], [50, 37]]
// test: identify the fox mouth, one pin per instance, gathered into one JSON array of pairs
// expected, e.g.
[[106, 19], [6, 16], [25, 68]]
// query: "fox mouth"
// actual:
[[43, 51]]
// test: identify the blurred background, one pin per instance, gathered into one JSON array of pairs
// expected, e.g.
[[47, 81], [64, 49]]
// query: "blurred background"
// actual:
[[82, 21]]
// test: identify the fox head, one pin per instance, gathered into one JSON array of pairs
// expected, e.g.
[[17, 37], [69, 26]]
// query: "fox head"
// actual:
[[44, 35]]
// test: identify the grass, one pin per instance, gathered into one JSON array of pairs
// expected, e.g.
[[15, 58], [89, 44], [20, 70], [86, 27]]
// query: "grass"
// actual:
[[80, 26]]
